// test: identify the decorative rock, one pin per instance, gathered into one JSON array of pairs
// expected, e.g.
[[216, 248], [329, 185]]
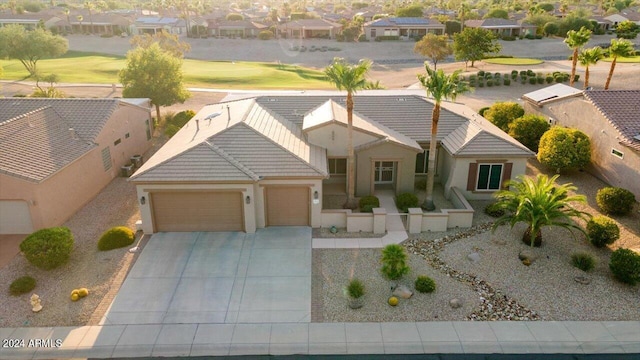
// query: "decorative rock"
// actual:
[[35, 303], [498, 240], [527, 254], [475, 257], [582, 279], [455, 303], [402, 291]]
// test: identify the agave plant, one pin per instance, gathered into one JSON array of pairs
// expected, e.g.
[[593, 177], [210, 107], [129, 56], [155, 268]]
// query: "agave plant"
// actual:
[[539, 202]]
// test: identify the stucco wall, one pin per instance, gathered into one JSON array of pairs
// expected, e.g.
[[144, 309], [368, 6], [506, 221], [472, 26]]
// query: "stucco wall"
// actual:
[[334, 138], [579, 113], [365, 164], [459, 174], [128, 119]]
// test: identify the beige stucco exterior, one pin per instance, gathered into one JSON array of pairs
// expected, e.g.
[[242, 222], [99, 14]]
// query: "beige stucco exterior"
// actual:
[[53, 201], [333, 137], [404, 158], [580, 114]]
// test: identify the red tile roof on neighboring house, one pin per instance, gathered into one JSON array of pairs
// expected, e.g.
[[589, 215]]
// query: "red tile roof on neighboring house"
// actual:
[[622, 109]]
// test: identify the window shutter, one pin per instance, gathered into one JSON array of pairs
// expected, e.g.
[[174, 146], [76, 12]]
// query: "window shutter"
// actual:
[[471, 178], [506, 174]]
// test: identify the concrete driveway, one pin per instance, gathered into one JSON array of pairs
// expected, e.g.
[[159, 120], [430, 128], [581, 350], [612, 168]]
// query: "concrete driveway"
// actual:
[[232, 277]]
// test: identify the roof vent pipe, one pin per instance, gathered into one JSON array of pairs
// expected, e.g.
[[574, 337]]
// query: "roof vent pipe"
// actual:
[[197, 125], [73, 134], [228, 113]]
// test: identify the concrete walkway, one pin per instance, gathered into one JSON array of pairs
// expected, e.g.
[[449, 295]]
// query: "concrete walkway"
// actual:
[[327, 338]]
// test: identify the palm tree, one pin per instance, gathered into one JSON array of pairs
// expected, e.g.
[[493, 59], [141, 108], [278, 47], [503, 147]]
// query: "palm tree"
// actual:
[[439, 86], [539, 202], [89, 6], [618, 48], [80, 18], [349, 77], [587, 58], [575, 40]]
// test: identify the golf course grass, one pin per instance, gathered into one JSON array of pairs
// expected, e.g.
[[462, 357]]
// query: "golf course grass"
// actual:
[[629, 60], [82, 67], [513, 61]]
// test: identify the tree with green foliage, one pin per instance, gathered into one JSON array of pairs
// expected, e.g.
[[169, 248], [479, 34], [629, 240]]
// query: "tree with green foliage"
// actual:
[[539, 202], [528, 130], [550, 28], [627, 30], [618, 48], [575, 40], [155, 74], [575, 23], [167, 42], [473, 44], [502, 114], [434, 47], [564, 149], [351, 78], [30, 46], [439, 86], [410, 11], [394, 262], [497, 13], [47, 92], [588, 57]]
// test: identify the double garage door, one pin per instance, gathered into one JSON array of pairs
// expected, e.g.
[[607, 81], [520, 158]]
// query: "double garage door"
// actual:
[[223, 210]]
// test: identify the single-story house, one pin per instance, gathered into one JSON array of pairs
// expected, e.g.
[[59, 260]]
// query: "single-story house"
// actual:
[[403, 27], [624, 15], [57, 154], [108, 23], [308, 29], [152, 25], [238, 28], [267, 160], [610, 118], [503, 27]]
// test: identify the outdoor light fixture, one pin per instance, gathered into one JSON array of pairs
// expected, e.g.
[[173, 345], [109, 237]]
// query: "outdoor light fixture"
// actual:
[[142, 200], [247, 200], [315, 195]]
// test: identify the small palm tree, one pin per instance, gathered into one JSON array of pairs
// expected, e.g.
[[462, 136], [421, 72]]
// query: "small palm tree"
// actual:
[[440, 86], [394, 262], [589, 57], [349, 77], [539, 202], [575, 40], [618, 48]]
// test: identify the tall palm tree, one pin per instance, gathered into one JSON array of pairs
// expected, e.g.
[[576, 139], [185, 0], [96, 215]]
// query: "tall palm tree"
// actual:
[[80, 18], [539, 202], [439, 86], [575, 40], [90, 6], [349, 77], [618, 48], [587, 58]]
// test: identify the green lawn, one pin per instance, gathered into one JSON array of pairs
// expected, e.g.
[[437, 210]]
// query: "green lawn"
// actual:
[[633, 59], [513, 61], [81, 67]]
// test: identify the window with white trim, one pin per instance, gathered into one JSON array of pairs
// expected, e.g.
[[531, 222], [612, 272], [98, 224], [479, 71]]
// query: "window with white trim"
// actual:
[[617, 153], [338, 166], [489, 177]]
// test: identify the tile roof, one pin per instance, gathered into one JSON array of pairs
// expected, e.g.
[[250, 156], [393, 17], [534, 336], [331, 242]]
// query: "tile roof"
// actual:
[[306, 23], [492, 22], [36, 144], [408, 21], [622, 109]]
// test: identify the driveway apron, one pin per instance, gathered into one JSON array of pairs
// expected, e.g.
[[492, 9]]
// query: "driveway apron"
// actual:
[[206, 277]]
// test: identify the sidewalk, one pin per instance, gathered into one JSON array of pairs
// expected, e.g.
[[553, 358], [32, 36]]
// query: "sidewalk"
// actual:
[[327, 338]]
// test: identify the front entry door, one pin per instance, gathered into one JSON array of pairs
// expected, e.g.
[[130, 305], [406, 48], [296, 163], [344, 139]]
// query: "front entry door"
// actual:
[[384, 172]]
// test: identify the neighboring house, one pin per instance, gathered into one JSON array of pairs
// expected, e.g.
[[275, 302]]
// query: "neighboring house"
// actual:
[[152, 25], [29, 21], [309, 28], [624, 15], [610, 118], [57, 154], [108, 23], [237, 28], [267, 160], [405, 28], [503, 27]]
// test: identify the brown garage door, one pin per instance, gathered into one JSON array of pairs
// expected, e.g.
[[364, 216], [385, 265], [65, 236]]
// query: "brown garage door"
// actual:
[[287, 206], [197, 211]]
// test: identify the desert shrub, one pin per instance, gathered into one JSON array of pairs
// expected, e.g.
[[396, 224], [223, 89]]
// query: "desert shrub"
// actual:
[[265, 35], [564, 149], [405, 201], [494, 210], [48, 248], [523, 73], [615, 200], [22, 285], [173, 123], [481, 73], [425, 284], [602, 231], [394, 262], [514, 74], [583, 261], [533, 80], [540, 80], [355, 289], [625, 266], [489, 83], [481, 84], [507, 82], [367, 203], [528, 130], [576, 77], [116, 237], [549, 79], [502, 114]]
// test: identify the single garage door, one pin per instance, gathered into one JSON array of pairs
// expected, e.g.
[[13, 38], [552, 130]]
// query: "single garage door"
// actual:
[[15, 217], [287, 206], [197, 211]]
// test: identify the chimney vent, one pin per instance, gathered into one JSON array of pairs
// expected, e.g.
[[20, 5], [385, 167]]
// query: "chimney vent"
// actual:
[[73, 134], [197, 125]]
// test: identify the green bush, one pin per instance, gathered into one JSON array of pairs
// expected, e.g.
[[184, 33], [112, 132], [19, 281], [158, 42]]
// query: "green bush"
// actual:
[[625, 266], [528, 130], [116, 237], [502, 114], [367, 203], [494, 210], [481, 84], [514, 74], [533, 80], [602, 231], [523, 73], [507, 82], [483, 110], [48, 248], [615, 200], [576, 77], [531, 73], [22, 285], [549, 79], [425, 284], [489, 83], [394, 262], [564, 149], [480, 73], [405, 201], [540, 80], [355, 289], [173, 123], [265, 35], [583, 261], [421, 184]]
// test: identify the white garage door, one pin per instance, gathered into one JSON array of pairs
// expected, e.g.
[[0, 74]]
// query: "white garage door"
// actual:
[[15, 217]]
